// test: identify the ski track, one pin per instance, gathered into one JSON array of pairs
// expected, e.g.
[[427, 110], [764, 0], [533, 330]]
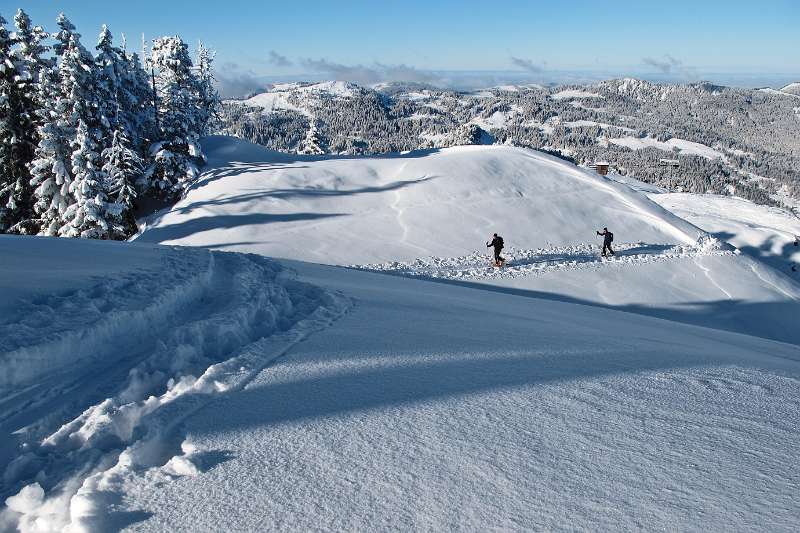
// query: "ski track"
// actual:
[[225, 318], [523, 263], [707, 272]]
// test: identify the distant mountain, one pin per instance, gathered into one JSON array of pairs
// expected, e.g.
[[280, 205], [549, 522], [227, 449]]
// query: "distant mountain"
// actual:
[[727, 140], [792, 88]]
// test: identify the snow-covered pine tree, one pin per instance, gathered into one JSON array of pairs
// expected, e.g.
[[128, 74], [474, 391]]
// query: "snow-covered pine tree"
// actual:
[[62, 94], [176, 154], [137, 106], [208, 96], [122, 168], [7, 181], [312, 144], [26, 62], [90, 216], [108, 85], [66, 30], [50, 168]]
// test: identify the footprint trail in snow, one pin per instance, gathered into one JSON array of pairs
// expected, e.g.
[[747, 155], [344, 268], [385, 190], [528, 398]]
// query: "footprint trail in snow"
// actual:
[[522, 263]]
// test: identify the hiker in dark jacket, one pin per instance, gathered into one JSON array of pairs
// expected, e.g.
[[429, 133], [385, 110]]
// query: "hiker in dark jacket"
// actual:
[[497, 244], [608, 238]]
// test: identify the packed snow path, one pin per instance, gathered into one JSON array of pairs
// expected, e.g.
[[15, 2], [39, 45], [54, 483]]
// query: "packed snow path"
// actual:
[[521, 263], [91, 375]]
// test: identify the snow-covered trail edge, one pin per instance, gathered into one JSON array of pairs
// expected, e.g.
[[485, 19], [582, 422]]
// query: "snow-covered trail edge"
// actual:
[[67, 478], [523, 262]]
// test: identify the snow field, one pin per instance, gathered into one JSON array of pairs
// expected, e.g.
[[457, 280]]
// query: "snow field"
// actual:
[[768, 233], [683, 146], [158, 343], [432, 203], [539, 396], [437, 407]]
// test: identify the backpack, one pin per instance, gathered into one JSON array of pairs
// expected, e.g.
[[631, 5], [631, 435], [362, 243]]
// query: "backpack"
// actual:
[[500, 242], [610, 237]]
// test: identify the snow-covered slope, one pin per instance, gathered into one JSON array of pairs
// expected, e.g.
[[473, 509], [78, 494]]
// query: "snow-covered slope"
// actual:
[[430, 214], [427, 406], [767, 233], [162, 388], [792, 88], [105, 346], [295, 96], [440, 202]]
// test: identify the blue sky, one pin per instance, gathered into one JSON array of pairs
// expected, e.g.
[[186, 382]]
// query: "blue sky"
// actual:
[[670, 39]]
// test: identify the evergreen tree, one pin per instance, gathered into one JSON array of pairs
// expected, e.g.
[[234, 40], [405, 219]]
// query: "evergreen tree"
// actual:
[[208, 97], [112, 95], [64, 35], [7, 182], [122, 167], [20, 119], [177, 154], [312, 144], [90, 216], [51, 166], [138, 110]]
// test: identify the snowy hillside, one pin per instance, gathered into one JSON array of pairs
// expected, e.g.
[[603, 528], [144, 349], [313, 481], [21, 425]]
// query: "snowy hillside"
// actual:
[[345, 210], [727, 140], [792, 88], [430, 214], [426, 406], [102, 361], [165, 388]]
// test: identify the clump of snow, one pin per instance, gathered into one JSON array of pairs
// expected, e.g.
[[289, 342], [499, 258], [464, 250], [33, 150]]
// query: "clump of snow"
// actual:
[[27, 500], [708, 243]]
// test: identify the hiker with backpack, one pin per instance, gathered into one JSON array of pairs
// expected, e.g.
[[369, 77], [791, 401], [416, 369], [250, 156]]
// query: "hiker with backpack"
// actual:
[[497, 244], [608, 238]]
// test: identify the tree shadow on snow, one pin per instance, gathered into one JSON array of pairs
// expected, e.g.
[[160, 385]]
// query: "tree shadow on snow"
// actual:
[[422, 381], [212, 222], [292, 194], [769, 320], [782, 261]]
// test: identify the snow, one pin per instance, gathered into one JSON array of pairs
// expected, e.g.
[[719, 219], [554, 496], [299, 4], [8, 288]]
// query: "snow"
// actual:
[[574, 93], [341, 89], [767, 233], [793, 88], [781, 92], [88, 369], [437, 202], [434, 137], [590, 123], [273, 101], [277, 99], [657, 389], [497, 120], [439, 407], [683, 146], [635, 184]]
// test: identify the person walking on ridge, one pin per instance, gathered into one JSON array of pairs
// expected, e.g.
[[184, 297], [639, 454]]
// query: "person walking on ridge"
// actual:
[[497, 244], [608, 238]]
